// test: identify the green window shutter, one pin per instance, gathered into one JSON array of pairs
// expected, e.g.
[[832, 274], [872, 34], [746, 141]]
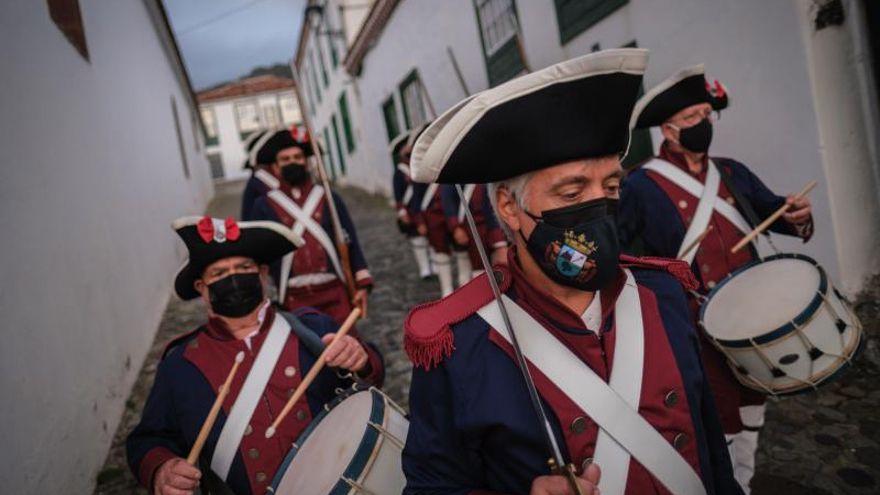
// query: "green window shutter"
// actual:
[[346, 122], [504, 61], [338, 145], [389, 112], [328, 154], [576, 16]]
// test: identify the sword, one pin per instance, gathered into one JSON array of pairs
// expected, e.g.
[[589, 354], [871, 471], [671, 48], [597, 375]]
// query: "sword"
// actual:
[[556, 462]]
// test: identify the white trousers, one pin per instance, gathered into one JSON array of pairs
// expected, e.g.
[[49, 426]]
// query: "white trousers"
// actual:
[[743, 445]]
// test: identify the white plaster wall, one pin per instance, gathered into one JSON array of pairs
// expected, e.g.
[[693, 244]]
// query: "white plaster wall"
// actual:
[[756, 48], [91, 179], [417, 36]]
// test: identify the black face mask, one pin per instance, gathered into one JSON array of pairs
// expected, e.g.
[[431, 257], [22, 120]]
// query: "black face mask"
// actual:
[[696, 138], [236, 295], [294, 174], [577, 245]]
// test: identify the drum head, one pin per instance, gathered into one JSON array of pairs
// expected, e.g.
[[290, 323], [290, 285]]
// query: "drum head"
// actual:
[[761, 298], [329, 448]]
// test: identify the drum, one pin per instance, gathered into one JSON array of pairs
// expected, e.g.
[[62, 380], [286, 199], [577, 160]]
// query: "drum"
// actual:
[[781, 324], [353, 446]]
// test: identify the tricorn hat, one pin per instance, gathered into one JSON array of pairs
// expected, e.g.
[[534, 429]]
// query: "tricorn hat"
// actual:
[[576, 109], [281, 140], [685, 88], [210, 239]]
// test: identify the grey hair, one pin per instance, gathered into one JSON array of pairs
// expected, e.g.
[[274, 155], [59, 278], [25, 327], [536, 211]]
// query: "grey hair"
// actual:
[[517, 188]]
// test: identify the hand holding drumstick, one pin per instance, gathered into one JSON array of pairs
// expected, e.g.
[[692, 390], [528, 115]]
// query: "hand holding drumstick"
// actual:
[[801, 209]]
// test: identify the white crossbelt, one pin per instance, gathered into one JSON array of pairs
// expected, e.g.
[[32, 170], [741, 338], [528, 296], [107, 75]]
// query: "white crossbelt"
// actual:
[[303, 221], [243, 408], [267, 178], [408, 192], [709, 202], [468, 194], [429, 196], [613, 407]]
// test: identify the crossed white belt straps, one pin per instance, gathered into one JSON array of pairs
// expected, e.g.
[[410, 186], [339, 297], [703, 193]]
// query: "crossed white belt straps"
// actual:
[[303, 221], [429, 195], [709, 202], [268, 179], [613, 406], [408, 192]]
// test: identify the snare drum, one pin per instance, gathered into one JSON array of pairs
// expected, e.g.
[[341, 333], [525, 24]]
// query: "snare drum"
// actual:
[[353, 446], [781, 324]]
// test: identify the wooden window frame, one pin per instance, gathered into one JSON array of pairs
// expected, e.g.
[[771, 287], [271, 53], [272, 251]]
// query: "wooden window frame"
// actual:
[[571, 28]]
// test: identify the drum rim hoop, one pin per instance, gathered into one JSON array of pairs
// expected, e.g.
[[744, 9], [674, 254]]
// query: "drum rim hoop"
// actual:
[[783, 330], [358, 460]]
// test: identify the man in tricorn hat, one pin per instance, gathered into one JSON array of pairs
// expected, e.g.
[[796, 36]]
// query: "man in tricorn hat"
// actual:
[[262, 179], [228, 269], [316, 275], [610, 345], [660, 215], [406, 195]]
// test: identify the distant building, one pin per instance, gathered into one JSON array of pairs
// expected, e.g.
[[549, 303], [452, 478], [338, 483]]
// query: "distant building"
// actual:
[[233, 111], [102, 150], [803, 78]]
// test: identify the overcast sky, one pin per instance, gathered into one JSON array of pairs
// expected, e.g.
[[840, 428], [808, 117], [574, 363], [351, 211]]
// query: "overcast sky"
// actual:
[[224, 39]]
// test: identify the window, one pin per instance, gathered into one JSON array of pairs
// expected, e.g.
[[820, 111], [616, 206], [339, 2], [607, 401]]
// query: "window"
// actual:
[[338, 145], [328, 154], [194, 124], [346, 122], [389, 113], [209, 120], [289, 110], [248, 118], [576, 16], [411, 94], [314, 78], [271, 119], [180, 145], [66, 15], [499, 33], [321, 61], [215, 160]]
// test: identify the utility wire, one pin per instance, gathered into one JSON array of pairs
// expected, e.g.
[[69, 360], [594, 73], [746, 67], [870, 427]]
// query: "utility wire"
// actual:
[[218, 17]]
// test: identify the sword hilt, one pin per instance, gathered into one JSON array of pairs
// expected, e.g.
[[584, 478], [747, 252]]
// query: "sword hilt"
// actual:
[[567, 470]]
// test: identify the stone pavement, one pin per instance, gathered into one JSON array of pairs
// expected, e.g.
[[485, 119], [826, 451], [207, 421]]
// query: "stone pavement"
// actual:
[[819, 443]]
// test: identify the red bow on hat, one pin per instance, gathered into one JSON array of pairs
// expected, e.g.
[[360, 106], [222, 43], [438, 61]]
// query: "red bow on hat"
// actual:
[[294, 131], [228, 231], [718, 91]]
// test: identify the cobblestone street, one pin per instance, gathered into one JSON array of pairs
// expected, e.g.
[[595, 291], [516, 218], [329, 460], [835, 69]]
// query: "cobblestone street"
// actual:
[[818, 443]]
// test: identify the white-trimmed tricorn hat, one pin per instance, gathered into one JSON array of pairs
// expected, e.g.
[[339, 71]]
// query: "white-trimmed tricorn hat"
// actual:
[[210, 239], [576, 109], [686, 87]]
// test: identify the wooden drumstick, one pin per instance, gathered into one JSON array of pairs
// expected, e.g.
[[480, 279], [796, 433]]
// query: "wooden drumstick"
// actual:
[[696, 242], [772, 218], [215, 410], [313, 372]]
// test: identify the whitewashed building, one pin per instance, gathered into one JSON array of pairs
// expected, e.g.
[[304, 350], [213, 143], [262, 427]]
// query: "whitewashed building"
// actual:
[[802, 74], [102, 149], [234, 111]]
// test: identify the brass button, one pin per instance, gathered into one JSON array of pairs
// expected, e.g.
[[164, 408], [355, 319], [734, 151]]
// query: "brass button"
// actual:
[[300, 415], [289, 371], [730, 200], [260, 477], [706, 268], [679, 441], [253, 453], [682, 204], [711, 284], [578, 425], [586, 463], [290, 392], [248, 430], [671, 398]]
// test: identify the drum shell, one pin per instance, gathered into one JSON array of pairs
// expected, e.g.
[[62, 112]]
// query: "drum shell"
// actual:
[[813, 348]]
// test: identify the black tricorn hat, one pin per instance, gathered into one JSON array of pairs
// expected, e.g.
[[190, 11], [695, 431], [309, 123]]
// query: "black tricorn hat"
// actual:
[[210, 239], [576, 109], [253, 144], [685, 88], [281, 140]]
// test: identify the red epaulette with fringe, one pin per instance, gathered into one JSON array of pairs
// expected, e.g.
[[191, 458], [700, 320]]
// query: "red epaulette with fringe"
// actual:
[[677, 268], [428, 337]]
